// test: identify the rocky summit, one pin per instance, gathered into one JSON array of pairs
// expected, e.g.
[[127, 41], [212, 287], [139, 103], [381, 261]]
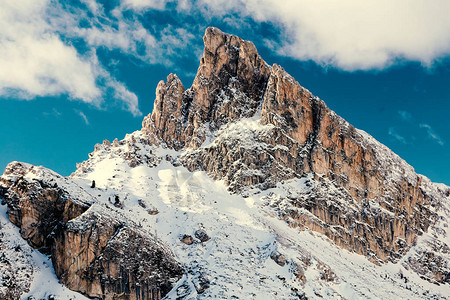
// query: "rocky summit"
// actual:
[[243, 186]]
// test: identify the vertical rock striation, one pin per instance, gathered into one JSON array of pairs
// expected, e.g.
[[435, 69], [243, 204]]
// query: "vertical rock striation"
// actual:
[[105, 258]]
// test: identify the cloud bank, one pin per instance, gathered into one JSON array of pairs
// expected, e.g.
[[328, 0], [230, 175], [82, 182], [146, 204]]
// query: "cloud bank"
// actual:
[[40, 52], [348, 34], [34, 61], [360, 35]]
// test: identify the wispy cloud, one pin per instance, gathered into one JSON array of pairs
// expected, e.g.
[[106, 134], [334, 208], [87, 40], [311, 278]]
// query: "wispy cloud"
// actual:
[[54, 113], [146, 4], [404, 115], [83, 116], [393, 133], [432, 134]]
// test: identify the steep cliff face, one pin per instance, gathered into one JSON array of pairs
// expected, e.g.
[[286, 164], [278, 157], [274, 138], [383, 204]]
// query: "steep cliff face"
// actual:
[[94, 251], [38, 199], [105, 257], [269, 128]]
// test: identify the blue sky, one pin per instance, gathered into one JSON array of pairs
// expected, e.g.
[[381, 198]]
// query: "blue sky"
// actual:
[[75, 73]]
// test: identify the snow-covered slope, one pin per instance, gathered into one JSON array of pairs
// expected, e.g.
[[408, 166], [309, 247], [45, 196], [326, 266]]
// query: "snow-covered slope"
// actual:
[[244, 232], [252, 252]]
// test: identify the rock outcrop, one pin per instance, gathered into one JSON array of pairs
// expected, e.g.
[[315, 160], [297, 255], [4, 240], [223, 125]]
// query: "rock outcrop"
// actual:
[[38, 199], [94, 251], [229, 85], [103, 257]]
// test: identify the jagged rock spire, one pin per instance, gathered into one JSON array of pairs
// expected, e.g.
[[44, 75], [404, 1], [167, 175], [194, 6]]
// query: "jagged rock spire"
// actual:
[[166, 120], [229, 85]]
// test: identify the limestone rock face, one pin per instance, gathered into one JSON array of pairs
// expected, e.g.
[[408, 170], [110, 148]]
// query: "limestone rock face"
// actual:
[[289, 106], [104, 258], [262, 127], [166, 121], [37, 203], [94, 250]]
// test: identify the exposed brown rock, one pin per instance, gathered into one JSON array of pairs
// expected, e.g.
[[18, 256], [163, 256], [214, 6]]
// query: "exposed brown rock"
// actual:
[[187, 239], [93, 251], [101, 257], [288, 106], [229, 85], [167, 119], [37, 205], [326, 273]]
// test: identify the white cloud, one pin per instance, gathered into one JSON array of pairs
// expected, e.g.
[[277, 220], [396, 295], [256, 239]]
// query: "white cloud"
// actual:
[[351, 34], [53, 113], [132, 38], [83, 117], [114, 31], [404, 115], [354, 34], [432, 135], [120, 91], [34, 61], [393, 133], [145, 4]]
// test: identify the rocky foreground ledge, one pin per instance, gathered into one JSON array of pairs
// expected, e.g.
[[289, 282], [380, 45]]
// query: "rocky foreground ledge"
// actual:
[[94, 250]]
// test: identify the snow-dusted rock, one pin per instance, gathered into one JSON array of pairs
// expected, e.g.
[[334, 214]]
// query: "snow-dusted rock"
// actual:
[[94, 250]]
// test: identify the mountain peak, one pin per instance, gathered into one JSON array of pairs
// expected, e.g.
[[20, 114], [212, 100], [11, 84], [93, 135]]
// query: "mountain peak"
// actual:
[[213, 38], [229, 85], [253, 125]]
